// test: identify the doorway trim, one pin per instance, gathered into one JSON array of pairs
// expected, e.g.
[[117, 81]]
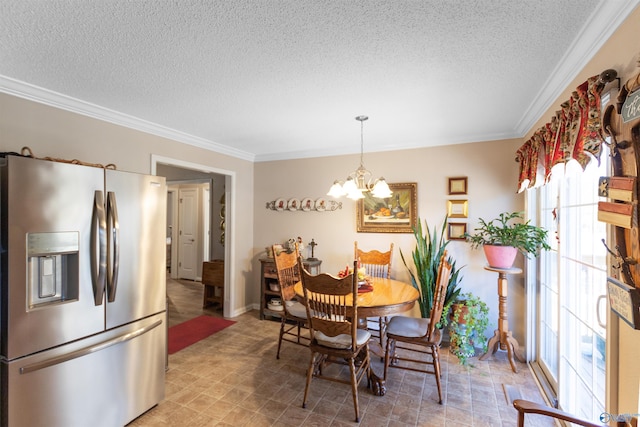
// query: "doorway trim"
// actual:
[[230, 208]]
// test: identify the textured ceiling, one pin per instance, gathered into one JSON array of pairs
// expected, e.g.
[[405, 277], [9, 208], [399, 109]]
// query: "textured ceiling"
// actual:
[[277, 79]]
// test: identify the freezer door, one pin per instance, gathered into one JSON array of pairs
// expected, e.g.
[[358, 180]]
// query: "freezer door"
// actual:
[[102, 381], [136, 212], [47, 294]]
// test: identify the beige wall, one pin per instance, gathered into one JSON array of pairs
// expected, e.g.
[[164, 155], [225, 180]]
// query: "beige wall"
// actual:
[[56, 133], [492, 181]]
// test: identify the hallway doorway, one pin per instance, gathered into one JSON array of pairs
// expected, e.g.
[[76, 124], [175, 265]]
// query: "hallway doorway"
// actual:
[[213, 211]]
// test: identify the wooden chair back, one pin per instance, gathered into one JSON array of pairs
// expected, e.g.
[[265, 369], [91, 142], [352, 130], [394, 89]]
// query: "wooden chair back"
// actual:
[[287, 270], [331, 303], [527, 407], [376, 263], [442, 281]]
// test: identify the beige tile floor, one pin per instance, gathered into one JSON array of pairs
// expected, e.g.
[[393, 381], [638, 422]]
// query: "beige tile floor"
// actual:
[[232, 378]]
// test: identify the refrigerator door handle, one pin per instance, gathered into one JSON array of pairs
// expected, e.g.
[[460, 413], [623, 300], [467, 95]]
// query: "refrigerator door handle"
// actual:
[[88, 350], [98, 247], [114, 246]]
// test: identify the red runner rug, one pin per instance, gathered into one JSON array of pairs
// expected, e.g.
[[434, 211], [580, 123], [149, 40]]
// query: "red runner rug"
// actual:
[[192, 331]]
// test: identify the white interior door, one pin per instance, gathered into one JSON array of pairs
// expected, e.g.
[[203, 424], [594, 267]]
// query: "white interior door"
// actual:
[[206, 234], [188, 234]]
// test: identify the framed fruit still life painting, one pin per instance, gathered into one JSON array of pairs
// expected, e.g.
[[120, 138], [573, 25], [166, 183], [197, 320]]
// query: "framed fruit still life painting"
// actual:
[[396, 214]]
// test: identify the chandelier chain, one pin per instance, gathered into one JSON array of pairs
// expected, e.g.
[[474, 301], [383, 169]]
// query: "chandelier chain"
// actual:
[[361, 119]]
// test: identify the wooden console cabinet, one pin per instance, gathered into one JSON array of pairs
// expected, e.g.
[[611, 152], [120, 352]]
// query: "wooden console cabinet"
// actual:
[[213, 281], [269, 287]]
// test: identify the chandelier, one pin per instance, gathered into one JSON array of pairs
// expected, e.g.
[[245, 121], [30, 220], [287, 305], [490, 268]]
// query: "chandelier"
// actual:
[[359, 181]]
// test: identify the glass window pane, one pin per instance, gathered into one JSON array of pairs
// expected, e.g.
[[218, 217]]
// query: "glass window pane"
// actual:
[[585, 355], [571, 278], [599, 374]]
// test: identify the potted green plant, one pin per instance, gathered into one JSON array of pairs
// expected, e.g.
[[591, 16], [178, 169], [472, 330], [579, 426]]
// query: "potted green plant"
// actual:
[[503, 237], [468, 319], [426, 260]]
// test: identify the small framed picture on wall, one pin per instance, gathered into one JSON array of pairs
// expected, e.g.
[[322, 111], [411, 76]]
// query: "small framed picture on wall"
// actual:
[[456, 230], [458, 185], [457, 208]]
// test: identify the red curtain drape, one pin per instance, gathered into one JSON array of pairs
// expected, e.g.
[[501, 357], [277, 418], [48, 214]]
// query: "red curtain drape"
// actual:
[[573, 133]]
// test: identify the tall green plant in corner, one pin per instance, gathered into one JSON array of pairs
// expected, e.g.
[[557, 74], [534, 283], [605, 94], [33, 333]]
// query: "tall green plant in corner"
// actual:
[[426, 260]]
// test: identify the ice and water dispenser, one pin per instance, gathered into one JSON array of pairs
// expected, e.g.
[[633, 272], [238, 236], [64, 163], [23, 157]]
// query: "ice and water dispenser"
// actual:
[[53, 268]]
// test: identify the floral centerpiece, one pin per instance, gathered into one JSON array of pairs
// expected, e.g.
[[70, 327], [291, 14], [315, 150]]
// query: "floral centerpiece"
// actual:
[[362, 275], [364, 280]]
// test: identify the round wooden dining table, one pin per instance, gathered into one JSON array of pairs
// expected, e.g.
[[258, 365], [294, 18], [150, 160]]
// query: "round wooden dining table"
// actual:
[[387, 297]]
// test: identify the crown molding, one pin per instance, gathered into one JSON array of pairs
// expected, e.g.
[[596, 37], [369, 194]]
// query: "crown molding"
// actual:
[[343, 151], [587, 43], [57, 100]]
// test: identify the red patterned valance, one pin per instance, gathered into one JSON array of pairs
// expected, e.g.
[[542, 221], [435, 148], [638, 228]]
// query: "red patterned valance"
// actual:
[[573, 133]]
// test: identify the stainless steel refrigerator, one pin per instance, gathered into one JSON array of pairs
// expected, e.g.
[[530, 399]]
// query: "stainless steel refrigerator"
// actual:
[[82, 297]]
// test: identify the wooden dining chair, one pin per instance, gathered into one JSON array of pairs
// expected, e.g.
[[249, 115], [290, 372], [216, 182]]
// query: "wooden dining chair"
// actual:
[[377, 264], [294, 314], [420, 333], [332, 309]]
